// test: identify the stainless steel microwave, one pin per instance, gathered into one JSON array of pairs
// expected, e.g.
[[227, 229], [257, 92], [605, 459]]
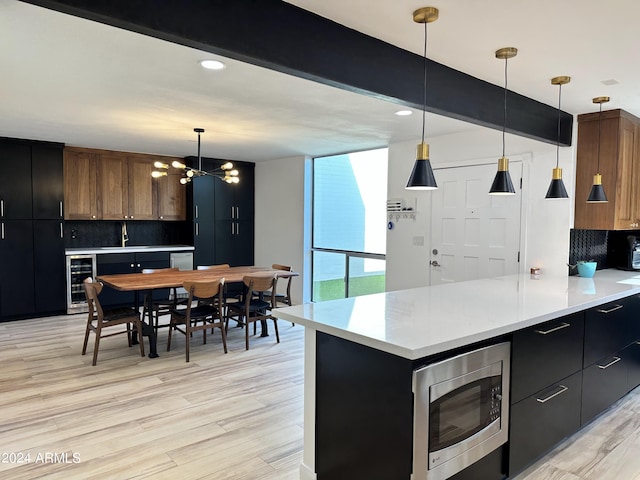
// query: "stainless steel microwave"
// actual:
[[461, 411]]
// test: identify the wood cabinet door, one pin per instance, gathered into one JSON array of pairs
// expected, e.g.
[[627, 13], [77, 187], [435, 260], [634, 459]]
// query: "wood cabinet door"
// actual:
[[112, 175], [141, 189], [625, 201], [172, 198], [80, 185]]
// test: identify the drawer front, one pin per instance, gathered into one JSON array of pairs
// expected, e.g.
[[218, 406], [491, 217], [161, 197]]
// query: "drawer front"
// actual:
[[603, 383], [540, 421], [610, 327], [546, 353]]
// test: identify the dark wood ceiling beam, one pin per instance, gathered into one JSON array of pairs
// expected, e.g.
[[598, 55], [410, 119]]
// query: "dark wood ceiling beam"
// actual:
[[285, 38]]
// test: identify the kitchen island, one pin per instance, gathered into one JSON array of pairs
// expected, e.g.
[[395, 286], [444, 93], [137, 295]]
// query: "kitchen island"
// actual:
[[360, 353]]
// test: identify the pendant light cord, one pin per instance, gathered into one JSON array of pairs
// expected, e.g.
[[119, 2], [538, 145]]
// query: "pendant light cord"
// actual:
[[558, 136], [424, 91], [599, 129], [504, 123]]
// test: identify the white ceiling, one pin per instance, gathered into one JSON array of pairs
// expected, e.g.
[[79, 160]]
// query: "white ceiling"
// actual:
[[70, 80]]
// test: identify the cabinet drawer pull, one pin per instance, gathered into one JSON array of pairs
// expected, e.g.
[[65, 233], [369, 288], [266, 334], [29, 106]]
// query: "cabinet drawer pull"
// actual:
[[555, 329], [196, 211], [546, 399], [617, 307], [615, 360], [61, 231], [1, 208], [61, 211], [2, 230]]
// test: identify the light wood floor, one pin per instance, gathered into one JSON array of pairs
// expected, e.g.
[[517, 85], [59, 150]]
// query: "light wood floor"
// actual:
[[234, 416]]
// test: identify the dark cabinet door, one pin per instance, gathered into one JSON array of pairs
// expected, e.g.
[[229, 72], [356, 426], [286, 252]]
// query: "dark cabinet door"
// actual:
[[544, 354], [540, 421], [153, 260], [203, 221], [604, 382], [632, 355], [47, 181], [234, 243], [15, 181], [16, 272], [49, 266]]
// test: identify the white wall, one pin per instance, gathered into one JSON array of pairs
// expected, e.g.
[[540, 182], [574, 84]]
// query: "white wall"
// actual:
[[545, 241], [281, 234]]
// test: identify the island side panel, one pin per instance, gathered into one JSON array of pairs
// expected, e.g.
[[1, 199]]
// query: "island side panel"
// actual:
[[364, 412]]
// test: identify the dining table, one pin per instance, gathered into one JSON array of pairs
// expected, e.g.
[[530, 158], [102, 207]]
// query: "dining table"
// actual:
[[147, 282]]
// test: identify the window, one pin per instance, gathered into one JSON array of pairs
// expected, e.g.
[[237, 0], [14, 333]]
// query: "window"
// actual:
[[349, 224]]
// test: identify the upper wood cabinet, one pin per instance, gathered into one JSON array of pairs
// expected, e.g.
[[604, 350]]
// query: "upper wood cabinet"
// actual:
[[109, 185], [619, 167]]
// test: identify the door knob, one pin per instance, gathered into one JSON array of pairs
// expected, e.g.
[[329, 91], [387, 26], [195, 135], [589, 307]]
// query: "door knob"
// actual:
[[434, 263]]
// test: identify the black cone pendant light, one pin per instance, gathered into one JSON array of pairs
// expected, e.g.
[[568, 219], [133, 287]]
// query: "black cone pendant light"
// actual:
[[556, 188], [502, 184], [597, 194], [422, 177]]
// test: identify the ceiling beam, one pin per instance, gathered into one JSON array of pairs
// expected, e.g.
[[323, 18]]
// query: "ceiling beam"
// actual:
[[288, 39]]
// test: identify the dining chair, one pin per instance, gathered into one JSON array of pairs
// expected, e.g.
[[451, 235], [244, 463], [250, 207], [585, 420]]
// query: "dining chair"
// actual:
[[155, 308], [99, 319], [232, 291], [208, 312], [254, 307], [283, 298]]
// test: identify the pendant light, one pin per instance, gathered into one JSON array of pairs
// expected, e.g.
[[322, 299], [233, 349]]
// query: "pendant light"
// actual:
[[556, 187], [597, 194], [422, 177], [224, 172], [502, 184]]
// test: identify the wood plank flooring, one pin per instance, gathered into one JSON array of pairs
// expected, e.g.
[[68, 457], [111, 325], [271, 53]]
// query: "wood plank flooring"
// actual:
[[235, 416]]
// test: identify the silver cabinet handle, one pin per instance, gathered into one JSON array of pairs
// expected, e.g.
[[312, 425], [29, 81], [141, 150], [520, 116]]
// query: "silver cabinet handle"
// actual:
[[237, 229], [233, 212], [546, 399], [61, 231], [61, 215], [197, 230], [2, 230], [233, 228], [615, 360], [1, 208], [196, 211], [617, 307], [555, 329], [237, 213]]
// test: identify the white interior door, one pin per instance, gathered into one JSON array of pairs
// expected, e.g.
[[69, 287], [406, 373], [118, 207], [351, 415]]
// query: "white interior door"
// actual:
[[474, 234]]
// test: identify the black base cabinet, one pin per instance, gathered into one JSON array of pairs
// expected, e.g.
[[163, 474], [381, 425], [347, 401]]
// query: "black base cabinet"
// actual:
[[540, 421], [631, 355], [50, 269], [115, 263]]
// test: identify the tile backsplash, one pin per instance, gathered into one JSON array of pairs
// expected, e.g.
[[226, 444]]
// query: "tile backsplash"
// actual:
[[588, 245], [81, 234]]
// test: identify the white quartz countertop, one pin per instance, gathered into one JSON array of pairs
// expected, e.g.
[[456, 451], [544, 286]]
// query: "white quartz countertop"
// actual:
[[131, 249], [419, 322]]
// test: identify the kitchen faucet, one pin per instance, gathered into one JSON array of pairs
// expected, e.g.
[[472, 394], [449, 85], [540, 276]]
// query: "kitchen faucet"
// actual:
[[124, 236]]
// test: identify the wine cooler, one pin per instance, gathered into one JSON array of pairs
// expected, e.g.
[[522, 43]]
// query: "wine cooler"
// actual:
[[79, 267]]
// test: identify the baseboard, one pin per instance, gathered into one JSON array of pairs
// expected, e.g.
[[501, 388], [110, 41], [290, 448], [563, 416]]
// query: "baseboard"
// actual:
[[306, 473]]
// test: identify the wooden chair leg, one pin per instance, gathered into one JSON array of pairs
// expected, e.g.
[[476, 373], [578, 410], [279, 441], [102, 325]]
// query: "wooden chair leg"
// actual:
[[187, 340], [86, 338], [140, 338], [275, 327], [172, 325], [96, 346], [246, 335], [224, 337]]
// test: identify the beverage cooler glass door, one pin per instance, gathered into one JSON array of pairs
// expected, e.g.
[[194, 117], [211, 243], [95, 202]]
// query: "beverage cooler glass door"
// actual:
[[79, 267], [461, 411]]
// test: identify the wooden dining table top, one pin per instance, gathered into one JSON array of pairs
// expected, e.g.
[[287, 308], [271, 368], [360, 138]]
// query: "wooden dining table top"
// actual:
[[168, 279]]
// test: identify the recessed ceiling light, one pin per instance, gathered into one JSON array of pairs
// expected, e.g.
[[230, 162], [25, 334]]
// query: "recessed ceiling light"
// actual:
[[610, 82], [404, 113], [212, 65]]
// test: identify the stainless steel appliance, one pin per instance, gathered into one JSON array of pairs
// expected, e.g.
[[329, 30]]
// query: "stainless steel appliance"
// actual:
[[461, 411], [79, 267]]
